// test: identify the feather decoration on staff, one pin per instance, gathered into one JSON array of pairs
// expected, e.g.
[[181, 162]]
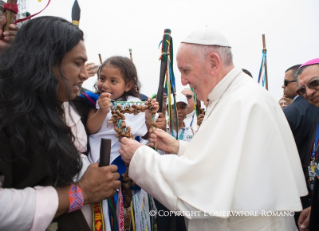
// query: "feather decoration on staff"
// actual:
[[167, 75], [76, 13], [263, 77]]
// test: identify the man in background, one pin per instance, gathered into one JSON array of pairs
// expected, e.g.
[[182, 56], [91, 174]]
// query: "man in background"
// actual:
[[301, 116], [308, 82]]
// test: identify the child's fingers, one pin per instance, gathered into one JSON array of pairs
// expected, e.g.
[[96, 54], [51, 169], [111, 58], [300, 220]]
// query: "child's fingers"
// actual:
[[105, 95]]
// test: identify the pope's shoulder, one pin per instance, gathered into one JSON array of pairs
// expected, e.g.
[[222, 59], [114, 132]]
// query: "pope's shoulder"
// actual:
[[248, 91]]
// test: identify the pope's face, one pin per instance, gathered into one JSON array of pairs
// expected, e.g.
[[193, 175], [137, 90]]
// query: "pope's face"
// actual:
[[193, 72], [309, 74]]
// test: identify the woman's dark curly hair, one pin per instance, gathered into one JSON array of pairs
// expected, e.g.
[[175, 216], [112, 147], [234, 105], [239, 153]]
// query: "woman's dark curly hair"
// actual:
[[128, 71], [30, 111]]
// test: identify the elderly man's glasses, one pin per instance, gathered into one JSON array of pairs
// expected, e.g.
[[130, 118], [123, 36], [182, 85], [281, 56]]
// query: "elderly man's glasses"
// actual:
[[311, 85], [286, 82], [189, 96]]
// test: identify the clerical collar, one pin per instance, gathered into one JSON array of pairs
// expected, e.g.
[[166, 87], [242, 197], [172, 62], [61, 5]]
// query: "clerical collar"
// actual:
[[220, 88]]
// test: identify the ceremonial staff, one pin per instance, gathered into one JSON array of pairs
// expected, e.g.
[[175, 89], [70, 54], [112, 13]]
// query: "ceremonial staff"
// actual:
[[76, 13], [263, 77], [265, 52], [131, 56], [167, 70], [163, 69], [100, 57]]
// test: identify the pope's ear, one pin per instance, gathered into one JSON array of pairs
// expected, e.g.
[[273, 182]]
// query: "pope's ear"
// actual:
[[215, 62]]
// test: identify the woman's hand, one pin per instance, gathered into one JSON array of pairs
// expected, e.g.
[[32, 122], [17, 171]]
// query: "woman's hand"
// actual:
[[164, 141], [99, 183]]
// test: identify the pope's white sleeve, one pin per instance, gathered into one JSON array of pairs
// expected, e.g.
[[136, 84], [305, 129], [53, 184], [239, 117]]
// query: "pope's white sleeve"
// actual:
[[27, 209], [153, 181], [182, 147]]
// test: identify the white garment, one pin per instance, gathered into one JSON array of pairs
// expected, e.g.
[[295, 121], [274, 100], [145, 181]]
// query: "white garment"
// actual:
[[185, 134], [138, 128], [73, 120], [191, 119], [243, 158], [27, 209]]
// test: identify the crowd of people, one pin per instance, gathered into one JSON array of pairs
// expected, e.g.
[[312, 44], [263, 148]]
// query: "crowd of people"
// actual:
[[242, 154]]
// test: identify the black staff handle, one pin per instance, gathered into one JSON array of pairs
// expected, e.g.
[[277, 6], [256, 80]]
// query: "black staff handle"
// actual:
[[105, 152]]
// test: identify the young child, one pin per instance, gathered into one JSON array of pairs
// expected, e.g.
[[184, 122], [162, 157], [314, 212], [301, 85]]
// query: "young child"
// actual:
[[118, 81]]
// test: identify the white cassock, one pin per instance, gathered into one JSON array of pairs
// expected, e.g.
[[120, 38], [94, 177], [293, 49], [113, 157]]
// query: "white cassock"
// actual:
[[243, 158]]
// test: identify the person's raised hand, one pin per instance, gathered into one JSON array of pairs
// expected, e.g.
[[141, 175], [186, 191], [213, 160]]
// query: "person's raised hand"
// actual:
[[91, 68], [164, 141], [200, 119], [148, 112], [161, 121], [127, 149], [8, 36], [303, 221], [99, 183], [105, 102]]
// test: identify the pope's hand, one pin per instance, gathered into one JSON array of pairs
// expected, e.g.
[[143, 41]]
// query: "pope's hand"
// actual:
[[164, 141], [128, 148]]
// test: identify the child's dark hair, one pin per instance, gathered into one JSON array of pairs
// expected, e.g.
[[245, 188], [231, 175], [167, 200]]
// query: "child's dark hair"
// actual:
[[128, 71]]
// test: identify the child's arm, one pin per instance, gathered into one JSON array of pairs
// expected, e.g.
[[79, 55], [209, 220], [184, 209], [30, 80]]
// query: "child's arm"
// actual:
[[96, 119]]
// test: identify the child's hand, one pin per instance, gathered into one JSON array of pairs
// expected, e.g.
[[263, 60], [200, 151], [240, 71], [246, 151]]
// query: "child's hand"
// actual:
[[148, 112], [105, 102]]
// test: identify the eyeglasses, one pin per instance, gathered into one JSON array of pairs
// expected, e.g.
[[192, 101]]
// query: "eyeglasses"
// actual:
[[286, 82], [311, 85], [189, 96]]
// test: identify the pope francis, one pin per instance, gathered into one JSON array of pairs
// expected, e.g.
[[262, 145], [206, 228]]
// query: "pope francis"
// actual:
[[241, 171]]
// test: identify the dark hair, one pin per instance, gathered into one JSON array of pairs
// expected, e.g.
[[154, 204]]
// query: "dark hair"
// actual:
[[128, 71], [294, 69], [247, 72], [30, 112]]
